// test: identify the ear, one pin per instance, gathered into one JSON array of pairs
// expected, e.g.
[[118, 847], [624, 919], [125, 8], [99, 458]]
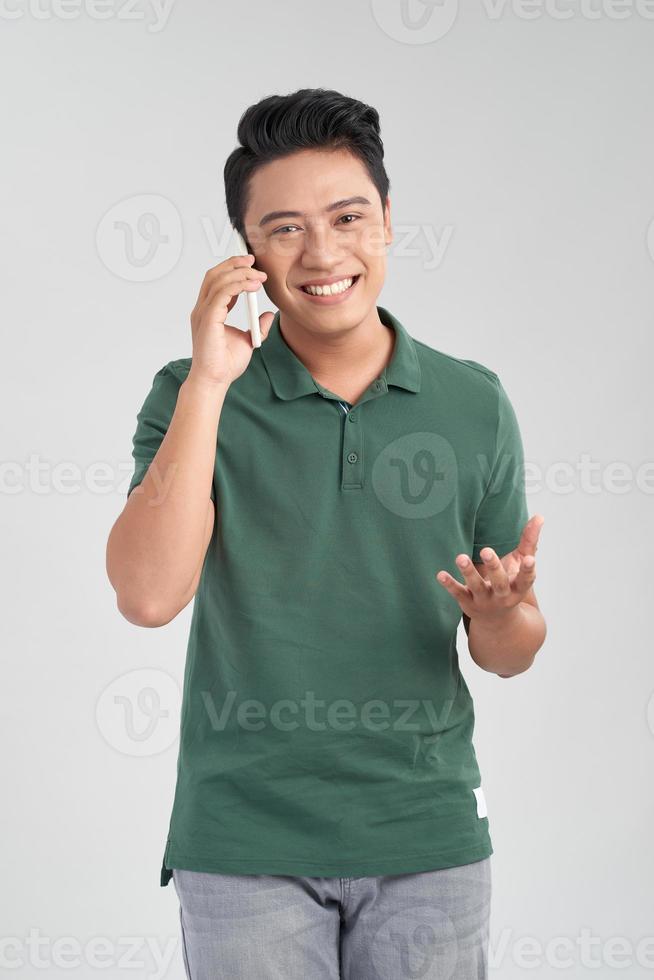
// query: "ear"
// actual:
[[388, 228]]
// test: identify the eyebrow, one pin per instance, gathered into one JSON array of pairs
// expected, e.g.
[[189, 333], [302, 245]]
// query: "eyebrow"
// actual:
[[346, 202]]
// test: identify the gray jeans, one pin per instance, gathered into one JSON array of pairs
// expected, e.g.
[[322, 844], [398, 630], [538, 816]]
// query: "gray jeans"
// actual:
[[431, 925]]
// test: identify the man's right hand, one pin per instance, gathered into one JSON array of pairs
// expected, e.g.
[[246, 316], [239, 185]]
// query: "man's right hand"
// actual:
[[157, 546], [221, 352]]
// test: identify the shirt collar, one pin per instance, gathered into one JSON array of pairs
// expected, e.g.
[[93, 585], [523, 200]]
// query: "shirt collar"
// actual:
[[290, 378]]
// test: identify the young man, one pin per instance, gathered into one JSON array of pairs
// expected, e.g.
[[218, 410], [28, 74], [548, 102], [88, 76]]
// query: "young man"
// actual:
[[317, 496]]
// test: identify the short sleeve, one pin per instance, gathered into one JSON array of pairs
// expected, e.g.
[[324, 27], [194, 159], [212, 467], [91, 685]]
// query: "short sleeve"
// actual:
[[152, 422], [503, 513]]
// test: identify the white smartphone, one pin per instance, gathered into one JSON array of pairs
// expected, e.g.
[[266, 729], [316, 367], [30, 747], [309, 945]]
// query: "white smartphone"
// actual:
[[253, 306]]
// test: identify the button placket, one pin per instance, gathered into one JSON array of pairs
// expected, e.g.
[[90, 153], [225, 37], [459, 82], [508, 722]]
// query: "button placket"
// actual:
[[352, 450], [352, 471]]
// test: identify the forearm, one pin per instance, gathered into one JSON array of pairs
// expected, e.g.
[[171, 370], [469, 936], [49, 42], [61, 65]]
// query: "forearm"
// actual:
[[157, 543], [508, 646]]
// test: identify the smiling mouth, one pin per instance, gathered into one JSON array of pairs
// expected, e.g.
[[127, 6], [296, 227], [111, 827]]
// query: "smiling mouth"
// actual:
[[340, 292]]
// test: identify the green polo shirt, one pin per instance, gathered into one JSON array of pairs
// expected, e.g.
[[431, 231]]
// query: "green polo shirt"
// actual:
[[326, 729]]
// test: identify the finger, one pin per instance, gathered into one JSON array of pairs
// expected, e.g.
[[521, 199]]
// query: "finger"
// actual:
[[221, 301], [265, 323], [232, 286], [233, 262], [528, 544], [526, 575], [474, 581], [456, 589], [233, 283], [496, 572]]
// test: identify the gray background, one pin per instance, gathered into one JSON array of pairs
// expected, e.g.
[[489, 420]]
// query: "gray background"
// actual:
[[520, 139]]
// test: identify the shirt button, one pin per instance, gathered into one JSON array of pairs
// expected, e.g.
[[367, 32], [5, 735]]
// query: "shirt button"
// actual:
[[351, 416], [352, 457]]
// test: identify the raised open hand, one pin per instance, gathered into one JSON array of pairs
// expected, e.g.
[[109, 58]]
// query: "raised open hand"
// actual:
[[510, 577]]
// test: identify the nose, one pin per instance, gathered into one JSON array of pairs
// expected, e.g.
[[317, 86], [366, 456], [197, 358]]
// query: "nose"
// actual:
[[322, 248]]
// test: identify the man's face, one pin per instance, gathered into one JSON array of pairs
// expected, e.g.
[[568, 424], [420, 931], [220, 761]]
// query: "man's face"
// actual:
[[316, 243]]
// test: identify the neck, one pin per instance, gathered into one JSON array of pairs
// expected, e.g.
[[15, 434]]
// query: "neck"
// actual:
[[345, 360]]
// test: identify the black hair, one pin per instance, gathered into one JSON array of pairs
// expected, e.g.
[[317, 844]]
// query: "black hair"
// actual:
[[310, 118]]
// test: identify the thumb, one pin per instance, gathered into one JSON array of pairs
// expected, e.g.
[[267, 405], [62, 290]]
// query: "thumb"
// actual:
[[265, 323]]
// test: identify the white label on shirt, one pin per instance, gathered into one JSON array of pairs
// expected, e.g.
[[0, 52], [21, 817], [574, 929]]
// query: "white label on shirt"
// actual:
[[481, 802]]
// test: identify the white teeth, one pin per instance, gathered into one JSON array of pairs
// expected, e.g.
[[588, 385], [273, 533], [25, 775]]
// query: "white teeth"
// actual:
[[336, 287]]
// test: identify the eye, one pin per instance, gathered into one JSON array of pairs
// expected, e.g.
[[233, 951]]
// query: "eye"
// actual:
[[284, 228]]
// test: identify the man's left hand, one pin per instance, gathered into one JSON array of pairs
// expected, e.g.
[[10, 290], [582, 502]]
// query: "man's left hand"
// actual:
[[489, 600]]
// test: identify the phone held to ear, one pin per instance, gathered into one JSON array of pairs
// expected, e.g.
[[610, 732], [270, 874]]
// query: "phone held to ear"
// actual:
[[251, 297]]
